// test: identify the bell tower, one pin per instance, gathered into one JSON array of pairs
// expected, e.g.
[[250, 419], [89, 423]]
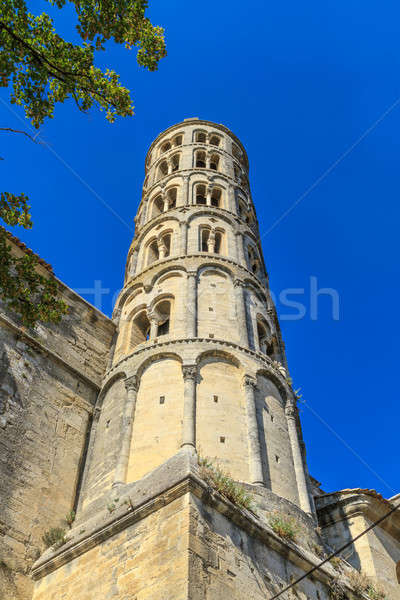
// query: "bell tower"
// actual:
[[198, 367], [199, 353]]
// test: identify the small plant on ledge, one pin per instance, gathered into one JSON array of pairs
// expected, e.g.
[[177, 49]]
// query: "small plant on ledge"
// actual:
[[362, 585], [337, 589], [70, 518], [54, 537], [224, 484], [285, 526]]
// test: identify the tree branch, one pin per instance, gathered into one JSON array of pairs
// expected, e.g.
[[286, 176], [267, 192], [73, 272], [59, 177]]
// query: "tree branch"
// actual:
[[9, 129]]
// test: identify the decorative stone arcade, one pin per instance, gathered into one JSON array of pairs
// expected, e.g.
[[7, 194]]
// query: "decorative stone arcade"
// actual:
[[198, 361]]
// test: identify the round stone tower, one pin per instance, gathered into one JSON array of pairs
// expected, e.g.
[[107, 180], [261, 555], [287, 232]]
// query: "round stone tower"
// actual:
[[198, 359]]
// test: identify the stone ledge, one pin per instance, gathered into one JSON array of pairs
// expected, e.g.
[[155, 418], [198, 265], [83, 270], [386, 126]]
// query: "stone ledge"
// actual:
[[177, 477]]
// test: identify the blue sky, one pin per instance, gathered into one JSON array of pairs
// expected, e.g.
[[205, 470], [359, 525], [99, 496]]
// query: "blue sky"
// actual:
[[300, 84]]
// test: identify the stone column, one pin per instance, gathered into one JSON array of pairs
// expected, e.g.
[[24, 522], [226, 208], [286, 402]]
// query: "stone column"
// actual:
[[191, 304], [189, 405], [185, 190], [184, 235], [169, 163], [144, 212], [208, 197], [305, 505], [239, 249], [131, 386], [255, 463], [211, 242], [231, 200], [164, 197], [134, 258], [153, 326], [241, 312], [161, 249]]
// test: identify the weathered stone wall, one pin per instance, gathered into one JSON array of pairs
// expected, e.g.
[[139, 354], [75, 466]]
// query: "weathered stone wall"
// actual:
[[147, 561], [49, 380], [184, 548]]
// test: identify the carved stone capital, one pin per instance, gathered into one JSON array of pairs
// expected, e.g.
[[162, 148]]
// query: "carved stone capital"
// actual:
[[132, 383], [192, 273], [189, 372], [249, 381], [290, 411]]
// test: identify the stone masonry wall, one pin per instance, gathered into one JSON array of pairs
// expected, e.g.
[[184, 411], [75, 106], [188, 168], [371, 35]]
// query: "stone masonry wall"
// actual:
[[49, 381], [149, 560]]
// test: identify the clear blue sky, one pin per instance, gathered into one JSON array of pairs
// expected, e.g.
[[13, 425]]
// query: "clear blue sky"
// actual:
[[299, 83]]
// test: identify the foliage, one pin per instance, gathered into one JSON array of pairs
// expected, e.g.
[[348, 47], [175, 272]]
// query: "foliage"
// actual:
[[43, 69], [70, 517], [54, 537], [336, 562], [285, 526], [25, 290], [363, 585], [223, 482], [337, 589]]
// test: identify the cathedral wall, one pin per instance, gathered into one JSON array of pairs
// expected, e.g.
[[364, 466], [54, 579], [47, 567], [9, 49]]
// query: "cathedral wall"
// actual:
[[221, 432], [49, 380], [147, 561], [228, 562], [157, 428]]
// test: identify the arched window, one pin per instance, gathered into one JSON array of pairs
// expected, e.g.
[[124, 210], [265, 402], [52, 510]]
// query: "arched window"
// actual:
[[158, 206], [175, 162], [215, 140], [398, 572], [162, 169], [165, 147], [200, 193], [200, 136], [177, 141], [216, 197], [265, 341], [254, 263], [171, 197], [140, 331], [153, 253], [163, 311], [214, 162], [210, 240], [200, 159]]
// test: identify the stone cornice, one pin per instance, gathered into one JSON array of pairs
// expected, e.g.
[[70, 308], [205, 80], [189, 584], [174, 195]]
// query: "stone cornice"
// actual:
[[345, 504], [180, 259], [195, 208], [190, 483], [266, 362], [43, 349]]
